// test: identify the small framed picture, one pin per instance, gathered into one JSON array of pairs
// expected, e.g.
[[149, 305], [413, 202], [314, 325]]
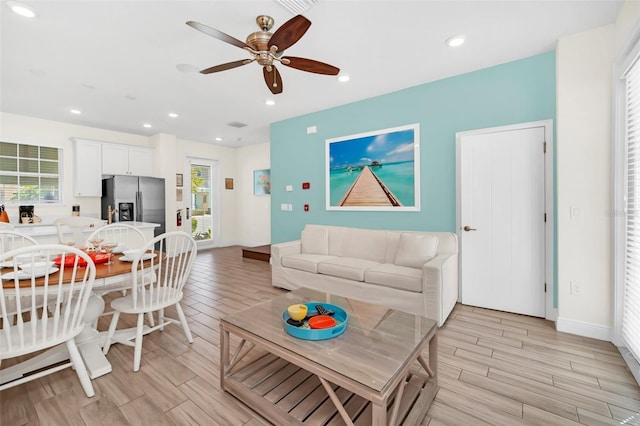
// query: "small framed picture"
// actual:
[[179, 180], [228, 183], [178, 194], [262, 182]]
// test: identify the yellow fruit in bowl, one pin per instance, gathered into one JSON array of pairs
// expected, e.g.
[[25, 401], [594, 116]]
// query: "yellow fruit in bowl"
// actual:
[[297, 312]]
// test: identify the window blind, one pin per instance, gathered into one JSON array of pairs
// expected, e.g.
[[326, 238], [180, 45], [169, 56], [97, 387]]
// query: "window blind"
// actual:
[[29, 173], [631, 313]]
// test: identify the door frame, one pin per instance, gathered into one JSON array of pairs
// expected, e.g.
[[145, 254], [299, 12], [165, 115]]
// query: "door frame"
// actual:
[[551, 312], [215, 198]]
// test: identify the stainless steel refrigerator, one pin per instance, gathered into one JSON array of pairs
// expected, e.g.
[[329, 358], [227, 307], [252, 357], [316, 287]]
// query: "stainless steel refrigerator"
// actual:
[[136, 198]]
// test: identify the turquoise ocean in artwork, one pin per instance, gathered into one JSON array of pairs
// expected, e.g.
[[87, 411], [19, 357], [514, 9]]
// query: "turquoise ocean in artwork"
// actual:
[[398, 177]]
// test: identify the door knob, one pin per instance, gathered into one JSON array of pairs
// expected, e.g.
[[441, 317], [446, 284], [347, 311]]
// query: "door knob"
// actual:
[[468, 228]]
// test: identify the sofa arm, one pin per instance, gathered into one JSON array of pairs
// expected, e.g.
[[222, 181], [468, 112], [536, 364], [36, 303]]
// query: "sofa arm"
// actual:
[[440, 285], [278, 251]]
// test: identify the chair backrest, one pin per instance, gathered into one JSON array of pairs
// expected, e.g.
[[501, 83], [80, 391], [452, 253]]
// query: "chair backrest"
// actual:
[[76, 225], [11, 240], [175, 253], [6, 226], [127, 236], [52, 300]]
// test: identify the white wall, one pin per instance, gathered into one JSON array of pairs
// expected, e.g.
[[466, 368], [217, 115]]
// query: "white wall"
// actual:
[[254, 211], [239, 207], [584, 140], [626, 24]]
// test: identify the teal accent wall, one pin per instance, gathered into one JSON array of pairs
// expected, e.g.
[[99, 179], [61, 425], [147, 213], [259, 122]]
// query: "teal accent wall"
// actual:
[[511, 93], [515, 92]]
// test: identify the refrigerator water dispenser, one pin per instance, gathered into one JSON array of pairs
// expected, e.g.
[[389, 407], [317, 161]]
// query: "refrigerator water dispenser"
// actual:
[[125, 212]]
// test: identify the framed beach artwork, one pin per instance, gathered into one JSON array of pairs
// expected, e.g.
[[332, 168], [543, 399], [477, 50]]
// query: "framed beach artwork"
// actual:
[[262, 182], [377, 171]]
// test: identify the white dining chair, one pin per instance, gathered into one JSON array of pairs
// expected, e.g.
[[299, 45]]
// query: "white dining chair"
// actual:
[[12, 239], [4, 226], [77, 225], [171, 263], [65, 288], [128, 237]]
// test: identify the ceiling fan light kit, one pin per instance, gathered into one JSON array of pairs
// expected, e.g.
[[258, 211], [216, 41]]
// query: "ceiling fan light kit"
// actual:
[[266, 49]]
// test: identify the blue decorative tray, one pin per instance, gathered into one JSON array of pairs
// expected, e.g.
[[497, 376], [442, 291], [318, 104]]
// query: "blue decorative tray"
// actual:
[[307, 333]]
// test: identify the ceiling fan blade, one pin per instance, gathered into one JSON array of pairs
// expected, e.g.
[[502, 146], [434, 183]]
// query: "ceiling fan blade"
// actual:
[[227, 66], [289, 33], [273, 79], [309, 65], [217, 34]]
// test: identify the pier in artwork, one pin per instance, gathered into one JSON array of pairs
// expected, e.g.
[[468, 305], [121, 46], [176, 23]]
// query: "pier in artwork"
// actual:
[[369, 190]]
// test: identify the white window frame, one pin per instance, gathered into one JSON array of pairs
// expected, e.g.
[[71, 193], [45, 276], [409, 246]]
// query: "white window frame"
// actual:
[[629, 56], [59, 175]]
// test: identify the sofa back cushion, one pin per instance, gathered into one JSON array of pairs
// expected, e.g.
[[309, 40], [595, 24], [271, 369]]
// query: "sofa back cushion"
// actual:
[[314, 241], [368, 244], [415, 249]]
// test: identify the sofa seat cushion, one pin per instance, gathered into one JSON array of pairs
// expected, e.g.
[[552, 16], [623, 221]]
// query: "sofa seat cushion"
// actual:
[[304, 262], [349, 268], [400, 277]]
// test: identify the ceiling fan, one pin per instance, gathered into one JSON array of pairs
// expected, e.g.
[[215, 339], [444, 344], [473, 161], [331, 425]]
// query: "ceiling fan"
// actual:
[[267, 48]]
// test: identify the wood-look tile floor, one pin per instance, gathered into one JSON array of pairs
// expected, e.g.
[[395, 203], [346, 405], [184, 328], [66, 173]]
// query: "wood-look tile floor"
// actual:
[[495, 368]]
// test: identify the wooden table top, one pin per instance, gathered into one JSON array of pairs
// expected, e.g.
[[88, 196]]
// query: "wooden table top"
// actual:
[[117, 267]]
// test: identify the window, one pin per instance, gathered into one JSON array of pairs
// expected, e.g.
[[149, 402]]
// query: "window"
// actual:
[[631, 309], [626, 203], [29, 173]]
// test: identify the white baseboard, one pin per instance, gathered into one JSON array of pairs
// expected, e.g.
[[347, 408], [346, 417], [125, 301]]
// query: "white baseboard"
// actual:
[[585, 329]]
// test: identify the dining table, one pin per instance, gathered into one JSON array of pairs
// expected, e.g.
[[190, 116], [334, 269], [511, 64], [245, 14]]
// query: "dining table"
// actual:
[[90, 340]]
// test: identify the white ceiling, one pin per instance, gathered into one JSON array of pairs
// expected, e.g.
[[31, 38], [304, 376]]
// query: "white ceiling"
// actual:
[[116, 60]]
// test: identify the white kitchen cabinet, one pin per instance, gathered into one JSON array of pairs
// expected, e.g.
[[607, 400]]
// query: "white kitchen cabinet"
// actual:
[[120, 159], [87, 170]]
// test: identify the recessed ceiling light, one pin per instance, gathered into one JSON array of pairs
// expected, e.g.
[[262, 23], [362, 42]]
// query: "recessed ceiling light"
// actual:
[[456, 40], [270, 102], [75, 111], [22, 9], [218, 139], [147, 125], [173, 115], [343, 78]]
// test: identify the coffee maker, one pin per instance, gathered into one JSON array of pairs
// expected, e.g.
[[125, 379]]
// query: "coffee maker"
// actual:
[[26, 214]]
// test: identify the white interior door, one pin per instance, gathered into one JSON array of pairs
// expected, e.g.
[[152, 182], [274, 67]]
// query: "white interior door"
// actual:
[[502, 220]]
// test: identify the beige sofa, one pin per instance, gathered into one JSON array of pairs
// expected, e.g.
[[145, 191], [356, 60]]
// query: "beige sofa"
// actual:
[[412, 271]]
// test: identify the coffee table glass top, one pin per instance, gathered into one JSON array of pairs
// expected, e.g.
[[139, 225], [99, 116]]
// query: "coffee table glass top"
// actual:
[[377, 343]]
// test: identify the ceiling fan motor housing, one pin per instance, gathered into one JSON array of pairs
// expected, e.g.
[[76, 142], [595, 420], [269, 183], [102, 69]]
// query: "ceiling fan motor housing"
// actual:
[[259, 40]]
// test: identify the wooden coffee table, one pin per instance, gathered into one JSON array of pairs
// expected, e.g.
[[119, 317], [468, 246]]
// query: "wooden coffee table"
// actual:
[[375, 373]]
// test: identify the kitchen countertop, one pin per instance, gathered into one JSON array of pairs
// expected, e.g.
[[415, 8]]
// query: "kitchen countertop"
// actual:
[[48, 228]]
